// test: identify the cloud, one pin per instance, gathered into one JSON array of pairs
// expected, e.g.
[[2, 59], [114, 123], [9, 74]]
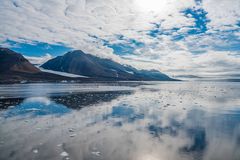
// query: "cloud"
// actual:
[[213, 63], [171, 36], [39, 60], [222, 13]]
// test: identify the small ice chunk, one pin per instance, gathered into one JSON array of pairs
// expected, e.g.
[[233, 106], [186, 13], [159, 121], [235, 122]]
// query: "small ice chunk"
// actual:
[[64, 154], [35, 151], [11, 107], [96, 153], [71, 130], [73, 135], [59, 145]]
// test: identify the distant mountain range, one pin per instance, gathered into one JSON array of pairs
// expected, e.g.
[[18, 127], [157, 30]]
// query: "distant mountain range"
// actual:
[[15, 68], [80, 63]]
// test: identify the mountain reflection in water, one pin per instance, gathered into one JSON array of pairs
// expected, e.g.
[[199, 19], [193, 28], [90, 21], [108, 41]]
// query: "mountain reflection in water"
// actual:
[[174, 121]]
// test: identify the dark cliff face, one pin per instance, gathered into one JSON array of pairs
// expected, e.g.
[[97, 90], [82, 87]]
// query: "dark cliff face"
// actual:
[[11, 61], [77, 62]]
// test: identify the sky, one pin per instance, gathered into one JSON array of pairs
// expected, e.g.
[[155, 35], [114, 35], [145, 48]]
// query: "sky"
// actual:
[[176, 37]]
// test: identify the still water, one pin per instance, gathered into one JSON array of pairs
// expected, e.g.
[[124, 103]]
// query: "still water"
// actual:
[[154, 121]]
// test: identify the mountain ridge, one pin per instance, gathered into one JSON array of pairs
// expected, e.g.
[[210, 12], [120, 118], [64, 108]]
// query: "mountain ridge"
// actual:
[[14, 68], [80, 63]]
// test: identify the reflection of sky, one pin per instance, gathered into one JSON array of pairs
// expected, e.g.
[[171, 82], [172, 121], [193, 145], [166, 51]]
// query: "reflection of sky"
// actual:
[[123, 113], [36, 107], [166, 121]]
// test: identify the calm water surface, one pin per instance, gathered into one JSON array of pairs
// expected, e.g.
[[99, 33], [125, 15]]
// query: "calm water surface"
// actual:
[[158, 121]]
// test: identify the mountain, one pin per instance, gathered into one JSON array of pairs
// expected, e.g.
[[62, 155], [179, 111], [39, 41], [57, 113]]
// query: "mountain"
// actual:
[[11, 61], [80, 63], [14, 68]]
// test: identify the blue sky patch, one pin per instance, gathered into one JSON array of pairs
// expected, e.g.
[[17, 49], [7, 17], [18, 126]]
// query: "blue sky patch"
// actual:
[[201, 20], [126, 47], [198, 2], [36, 108], [38, 48], [156, 31], [121, 49]]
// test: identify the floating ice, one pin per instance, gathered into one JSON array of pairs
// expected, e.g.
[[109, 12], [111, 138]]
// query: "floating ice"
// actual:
[[97, 153], [73, 135], [59, 145], [10, 107], [71, 130], [64, 154], [35, 151]]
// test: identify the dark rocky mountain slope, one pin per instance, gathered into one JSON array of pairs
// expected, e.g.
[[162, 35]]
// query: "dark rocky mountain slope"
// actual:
[[80, 63], [11, 61]]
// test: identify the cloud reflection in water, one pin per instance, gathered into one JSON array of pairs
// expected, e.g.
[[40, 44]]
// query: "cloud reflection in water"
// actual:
[[161, 121]]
